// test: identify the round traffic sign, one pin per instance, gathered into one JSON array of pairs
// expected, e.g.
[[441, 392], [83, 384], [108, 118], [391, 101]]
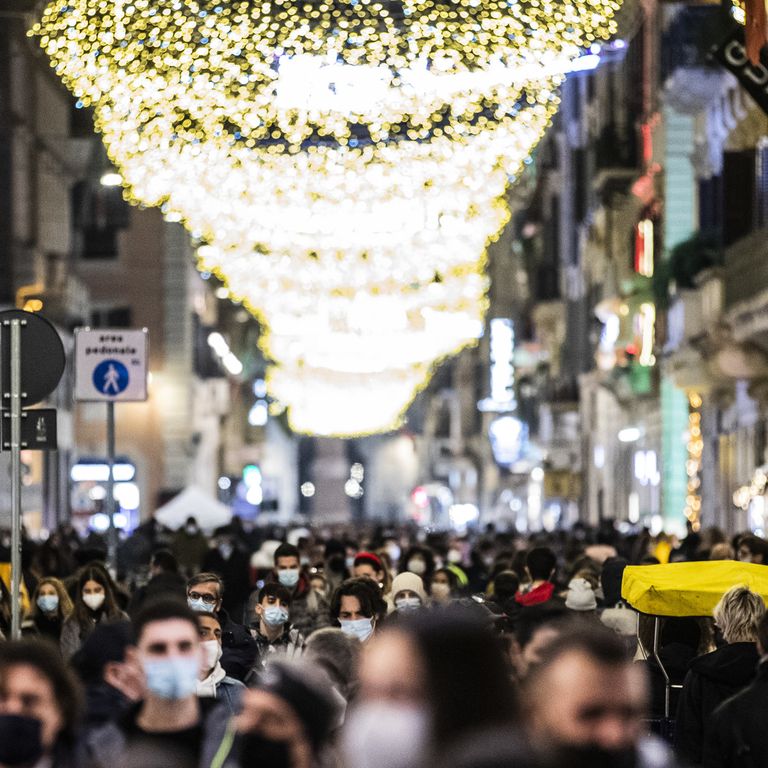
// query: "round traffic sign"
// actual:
[[110, 377], [42, 356]]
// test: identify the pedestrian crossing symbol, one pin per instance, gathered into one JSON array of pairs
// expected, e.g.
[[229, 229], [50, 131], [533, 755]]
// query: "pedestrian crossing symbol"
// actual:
[[110, 377]]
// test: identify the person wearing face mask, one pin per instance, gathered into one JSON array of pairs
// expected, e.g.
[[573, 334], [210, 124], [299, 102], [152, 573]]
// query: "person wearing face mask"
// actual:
[[357, 606], [585, 704], [233, 564], [171, 727], [427, 683], [205, 594], [421, 561], [309, 608], [213, 682], [189, 546], [165, 581], [286, 721], [94, 603], [40, 708], [51, 607], [407, 593], [444, 587], [271, 626]]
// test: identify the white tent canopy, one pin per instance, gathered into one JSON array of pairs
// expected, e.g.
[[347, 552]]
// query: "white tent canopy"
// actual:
[[194, 502]]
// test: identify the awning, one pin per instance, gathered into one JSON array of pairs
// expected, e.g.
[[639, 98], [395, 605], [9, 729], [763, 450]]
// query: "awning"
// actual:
[[689, 589]]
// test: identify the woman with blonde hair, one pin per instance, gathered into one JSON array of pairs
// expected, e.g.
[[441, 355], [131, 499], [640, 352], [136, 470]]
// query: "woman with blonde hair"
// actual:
[[716, 676], [51, 607]]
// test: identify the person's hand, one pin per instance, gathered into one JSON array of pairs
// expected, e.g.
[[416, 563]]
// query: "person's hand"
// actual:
[[127, 677]]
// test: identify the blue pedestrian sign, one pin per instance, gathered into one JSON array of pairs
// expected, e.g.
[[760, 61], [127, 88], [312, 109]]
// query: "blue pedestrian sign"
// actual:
[[110, 365], [110, 377]]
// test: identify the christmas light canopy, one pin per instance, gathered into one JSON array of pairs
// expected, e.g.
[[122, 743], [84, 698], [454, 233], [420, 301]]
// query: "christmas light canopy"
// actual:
[[342, 164]]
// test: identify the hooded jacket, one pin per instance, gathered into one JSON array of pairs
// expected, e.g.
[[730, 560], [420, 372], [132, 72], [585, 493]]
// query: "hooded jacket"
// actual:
[[711, 679], [737, 736]]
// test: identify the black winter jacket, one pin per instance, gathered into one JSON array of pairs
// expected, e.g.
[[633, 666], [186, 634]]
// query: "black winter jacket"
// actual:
[[737, 736], [239, 651], [711, 679]]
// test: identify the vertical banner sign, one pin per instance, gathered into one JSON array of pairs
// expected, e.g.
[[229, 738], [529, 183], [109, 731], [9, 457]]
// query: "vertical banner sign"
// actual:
[[732, 54]]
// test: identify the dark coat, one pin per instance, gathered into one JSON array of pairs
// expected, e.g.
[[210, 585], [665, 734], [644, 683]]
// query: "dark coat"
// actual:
[[239, 650], [711, 679], [737, 736], [676, 658], [163, 585]]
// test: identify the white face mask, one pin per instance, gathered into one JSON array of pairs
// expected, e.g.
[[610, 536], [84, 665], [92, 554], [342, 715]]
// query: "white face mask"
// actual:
[[440, 591], [380, 734], [94, 601], [211, 654], [454, 556], [417, 566], [408, 604]]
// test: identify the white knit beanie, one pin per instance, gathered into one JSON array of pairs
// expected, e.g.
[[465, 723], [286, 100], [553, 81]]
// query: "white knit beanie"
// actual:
[[411, 582], [581, 596]]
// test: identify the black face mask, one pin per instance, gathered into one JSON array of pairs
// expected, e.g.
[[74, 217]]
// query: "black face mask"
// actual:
[[255, 750], [591, 756], [20, 743]]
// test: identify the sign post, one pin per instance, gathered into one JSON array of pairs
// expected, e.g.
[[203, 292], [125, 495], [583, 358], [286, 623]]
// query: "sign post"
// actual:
[[111, 366], [16, 395], [31, 365]]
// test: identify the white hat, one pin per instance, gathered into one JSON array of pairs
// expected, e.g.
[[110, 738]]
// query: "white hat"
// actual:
[[411, 582], [621, 620], [581, 596]]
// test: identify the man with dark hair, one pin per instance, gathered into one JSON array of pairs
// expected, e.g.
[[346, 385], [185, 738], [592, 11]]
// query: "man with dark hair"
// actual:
[[536, 629], [171, 726], [737, 736], [205, 592], [540, 564], [357, 606], [271, 625], [585, 702], [165, 581], [309, 609]]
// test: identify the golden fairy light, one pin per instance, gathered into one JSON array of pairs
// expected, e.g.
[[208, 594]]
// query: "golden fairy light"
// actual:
[[342, 164]]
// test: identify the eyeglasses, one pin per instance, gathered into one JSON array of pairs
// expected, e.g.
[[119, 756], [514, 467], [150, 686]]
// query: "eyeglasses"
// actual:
[[208, 599]]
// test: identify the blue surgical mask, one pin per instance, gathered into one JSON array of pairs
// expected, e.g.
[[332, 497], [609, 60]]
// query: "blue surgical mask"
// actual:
[[172, 678], [200, 605], [275, 615], [362, 629], [288, 578], [408, 604], [48, 603]]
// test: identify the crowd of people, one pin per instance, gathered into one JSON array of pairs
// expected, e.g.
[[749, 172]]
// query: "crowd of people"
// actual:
[[380, 648]]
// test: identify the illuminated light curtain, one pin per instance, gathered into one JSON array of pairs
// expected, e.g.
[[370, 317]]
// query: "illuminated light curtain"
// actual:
[[342, 164]]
